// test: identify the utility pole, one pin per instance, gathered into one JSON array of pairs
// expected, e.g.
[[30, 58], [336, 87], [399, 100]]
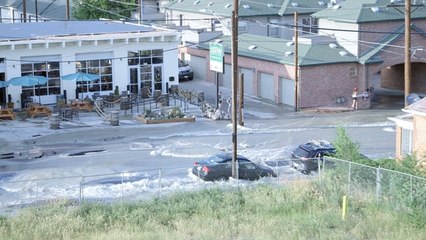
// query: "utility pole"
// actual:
[[407, 51], [234, 48], [296, 63], [407, 42]]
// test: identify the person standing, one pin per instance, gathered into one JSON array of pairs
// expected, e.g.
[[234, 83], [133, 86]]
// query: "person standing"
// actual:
[[355, 98]]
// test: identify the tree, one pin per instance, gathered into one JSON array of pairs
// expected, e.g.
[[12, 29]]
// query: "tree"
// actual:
[[109, 9]]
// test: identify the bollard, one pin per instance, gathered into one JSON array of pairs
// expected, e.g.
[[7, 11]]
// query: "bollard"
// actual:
[[114, 118], [54, 121]]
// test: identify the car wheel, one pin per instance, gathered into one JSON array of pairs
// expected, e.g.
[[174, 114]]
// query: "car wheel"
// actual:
[[221, 179]]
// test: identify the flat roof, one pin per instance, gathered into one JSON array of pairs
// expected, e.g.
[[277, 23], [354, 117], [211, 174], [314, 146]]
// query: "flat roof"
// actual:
[[37, 30]]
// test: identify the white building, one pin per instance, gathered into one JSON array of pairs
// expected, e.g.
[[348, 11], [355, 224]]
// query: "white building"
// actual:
[[125, 56]]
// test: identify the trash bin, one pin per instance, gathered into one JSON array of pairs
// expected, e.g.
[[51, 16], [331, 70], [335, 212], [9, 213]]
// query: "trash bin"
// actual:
[[124, 103], [114, 118], [54, 121]]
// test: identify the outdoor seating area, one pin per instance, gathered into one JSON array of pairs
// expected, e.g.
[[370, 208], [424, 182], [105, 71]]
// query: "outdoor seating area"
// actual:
[[37, 110], [82, 106], [7, 114]]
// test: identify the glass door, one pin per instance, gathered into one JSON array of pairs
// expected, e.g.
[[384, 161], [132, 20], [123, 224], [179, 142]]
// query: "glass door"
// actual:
[[134, 81], [146, 83], [158, 79]]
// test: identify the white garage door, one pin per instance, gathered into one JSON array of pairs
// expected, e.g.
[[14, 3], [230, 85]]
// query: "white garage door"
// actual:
[[287, 91], [266, 86], [248, 81], [198, 65]]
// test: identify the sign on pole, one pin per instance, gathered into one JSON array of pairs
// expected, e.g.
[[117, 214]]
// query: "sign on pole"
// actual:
[[216, 57]]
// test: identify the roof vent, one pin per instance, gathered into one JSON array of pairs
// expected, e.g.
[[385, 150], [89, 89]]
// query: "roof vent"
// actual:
[[289, 44], [288, 53], [343, 53], [294, 4], [335, 7], [321, 3], [209, 4], [270, 5], [375, 9], [228, 5], [252, 47], [246, 6], [179, 1], [196, 2], [332, 45]]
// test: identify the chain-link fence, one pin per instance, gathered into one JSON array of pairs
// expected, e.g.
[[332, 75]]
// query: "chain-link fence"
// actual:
[[334, 176], [381, 185]]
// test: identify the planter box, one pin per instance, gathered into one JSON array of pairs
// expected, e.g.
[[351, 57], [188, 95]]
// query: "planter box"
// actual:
[[172, 120]]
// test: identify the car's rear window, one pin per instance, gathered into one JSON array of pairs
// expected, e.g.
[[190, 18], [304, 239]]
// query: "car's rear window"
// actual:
[[214, 159], [301, 152]]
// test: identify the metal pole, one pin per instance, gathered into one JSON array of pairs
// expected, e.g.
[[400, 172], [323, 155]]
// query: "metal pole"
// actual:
[[217, 90], [407, 53], [296, 63], [24, 9], [67, 10], [241, 85], [234, 56]]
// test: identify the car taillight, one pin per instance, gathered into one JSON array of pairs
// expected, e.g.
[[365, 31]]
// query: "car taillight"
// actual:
[[206, 169], [195, 163]]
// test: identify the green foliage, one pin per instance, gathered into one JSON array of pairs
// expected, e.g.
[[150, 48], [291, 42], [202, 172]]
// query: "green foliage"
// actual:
[[345, 147], [96, 9], [176, 112], [297, 211], [116, 91]]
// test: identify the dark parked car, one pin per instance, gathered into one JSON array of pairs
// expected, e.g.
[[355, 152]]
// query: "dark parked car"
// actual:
[[219, 168], [185, 72], [305, 157]]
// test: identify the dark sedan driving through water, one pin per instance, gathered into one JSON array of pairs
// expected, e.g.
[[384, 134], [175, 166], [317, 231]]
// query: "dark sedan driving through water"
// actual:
[[219, 168]]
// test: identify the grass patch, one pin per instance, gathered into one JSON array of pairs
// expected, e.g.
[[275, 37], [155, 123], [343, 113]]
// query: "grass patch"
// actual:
[[265, 212]]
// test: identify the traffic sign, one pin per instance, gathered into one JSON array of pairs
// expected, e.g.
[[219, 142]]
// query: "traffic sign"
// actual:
[[216, 57]]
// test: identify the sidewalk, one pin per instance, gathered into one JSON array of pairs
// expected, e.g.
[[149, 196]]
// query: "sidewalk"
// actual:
[[385, 103]]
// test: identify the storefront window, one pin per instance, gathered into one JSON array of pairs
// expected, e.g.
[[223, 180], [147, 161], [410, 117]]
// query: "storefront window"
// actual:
[[46, 69], [102, 67]]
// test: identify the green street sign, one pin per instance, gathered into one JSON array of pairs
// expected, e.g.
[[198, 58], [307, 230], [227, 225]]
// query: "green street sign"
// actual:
[[216, 57]]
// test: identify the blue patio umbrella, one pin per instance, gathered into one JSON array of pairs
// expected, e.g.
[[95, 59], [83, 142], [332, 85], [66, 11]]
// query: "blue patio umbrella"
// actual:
[[28, 81], [3, 84], [79, 77]]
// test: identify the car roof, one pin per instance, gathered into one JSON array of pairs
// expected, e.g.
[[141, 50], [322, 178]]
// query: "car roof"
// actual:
[[315, 145], [226, 155]]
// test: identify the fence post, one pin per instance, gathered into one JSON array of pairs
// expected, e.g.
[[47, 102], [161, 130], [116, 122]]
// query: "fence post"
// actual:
[[122, 183], [159, 182], [36, 190], [411, 188], [378, 184], [80, 197], [319, 170], [349, 179]]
